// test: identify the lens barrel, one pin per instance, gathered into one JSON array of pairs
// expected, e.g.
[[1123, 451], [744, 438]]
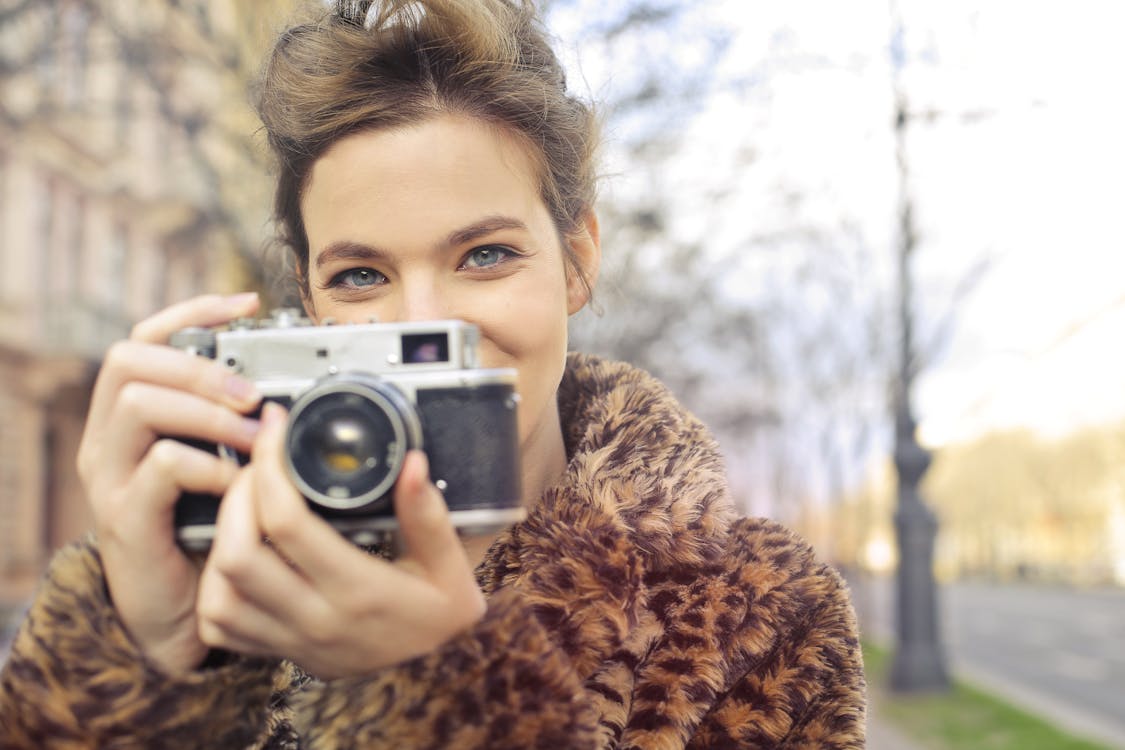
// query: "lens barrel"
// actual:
[[347, 438]]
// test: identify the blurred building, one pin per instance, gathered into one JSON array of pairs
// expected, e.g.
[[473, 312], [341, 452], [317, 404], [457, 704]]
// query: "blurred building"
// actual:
[[115, 173]]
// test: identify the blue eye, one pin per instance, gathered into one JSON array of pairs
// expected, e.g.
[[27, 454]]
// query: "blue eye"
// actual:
[[358, 278], [487, 256]]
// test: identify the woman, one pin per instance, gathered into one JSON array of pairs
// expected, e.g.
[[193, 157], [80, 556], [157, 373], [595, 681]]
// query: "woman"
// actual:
[[432, 166]]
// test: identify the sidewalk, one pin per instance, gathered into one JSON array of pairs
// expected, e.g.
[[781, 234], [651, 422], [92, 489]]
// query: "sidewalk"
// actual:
[[881, 735]]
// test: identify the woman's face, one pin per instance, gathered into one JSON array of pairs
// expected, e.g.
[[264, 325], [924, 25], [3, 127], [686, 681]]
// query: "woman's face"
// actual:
[[444, 220]]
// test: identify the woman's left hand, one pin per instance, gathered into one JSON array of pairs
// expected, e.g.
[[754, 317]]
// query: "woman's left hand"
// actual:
[[311, 596]]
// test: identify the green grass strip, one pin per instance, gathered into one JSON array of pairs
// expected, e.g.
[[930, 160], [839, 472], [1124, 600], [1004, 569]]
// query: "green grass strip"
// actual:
[[964, 718]]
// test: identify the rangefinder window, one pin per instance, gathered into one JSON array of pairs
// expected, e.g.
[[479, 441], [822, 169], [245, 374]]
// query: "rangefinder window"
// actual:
[[424, 348]]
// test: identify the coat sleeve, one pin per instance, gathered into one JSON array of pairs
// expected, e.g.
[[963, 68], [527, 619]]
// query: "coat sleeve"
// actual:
[[75, 679], [800, 682], [503, 684], [829, 685], [521, 677]]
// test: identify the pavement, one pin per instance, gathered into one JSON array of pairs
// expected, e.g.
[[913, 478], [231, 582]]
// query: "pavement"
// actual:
[[883, 736]]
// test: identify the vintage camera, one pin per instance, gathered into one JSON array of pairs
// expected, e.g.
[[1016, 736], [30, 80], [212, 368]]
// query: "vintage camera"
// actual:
[[359, 397]]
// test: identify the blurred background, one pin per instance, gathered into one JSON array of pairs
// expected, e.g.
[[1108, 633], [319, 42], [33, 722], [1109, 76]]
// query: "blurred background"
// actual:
[[823, 224]]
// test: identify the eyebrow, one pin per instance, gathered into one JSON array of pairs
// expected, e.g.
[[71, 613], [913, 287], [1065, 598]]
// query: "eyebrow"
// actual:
[[349, 250], [482, 228]]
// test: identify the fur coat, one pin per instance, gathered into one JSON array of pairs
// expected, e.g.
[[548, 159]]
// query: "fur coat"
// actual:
[[631, 609]]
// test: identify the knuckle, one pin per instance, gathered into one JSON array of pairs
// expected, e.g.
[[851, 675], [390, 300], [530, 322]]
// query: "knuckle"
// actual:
[[206, 611], [140, 331], [216, 604], [132, 398], [166, 455], [230, 561], [208, 632], [211, 624], [118, 353]]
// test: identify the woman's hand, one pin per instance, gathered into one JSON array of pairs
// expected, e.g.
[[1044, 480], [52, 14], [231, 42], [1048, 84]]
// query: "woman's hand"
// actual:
[[133, 472], [310, 595]]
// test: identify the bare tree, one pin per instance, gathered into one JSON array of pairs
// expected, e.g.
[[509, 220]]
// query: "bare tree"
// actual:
[[776, 337]]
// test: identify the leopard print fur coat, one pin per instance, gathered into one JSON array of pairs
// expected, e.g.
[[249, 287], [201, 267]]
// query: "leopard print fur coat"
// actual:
[[631, 609]]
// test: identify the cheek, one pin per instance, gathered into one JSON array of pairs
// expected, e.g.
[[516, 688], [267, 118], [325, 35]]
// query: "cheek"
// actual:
[[530, 322], [532, 341], [531, 336]]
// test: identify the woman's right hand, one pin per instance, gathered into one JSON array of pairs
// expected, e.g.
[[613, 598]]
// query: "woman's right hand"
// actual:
[[133, 471]]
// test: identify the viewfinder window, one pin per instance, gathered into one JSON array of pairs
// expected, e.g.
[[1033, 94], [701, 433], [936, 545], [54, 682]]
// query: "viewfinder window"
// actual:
[[422, 348]]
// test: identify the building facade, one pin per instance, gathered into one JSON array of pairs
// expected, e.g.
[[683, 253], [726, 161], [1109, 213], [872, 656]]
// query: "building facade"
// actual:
[[112, 185]]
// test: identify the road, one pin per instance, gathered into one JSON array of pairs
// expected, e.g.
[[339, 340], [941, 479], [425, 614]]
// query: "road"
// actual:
[[1057, 652]]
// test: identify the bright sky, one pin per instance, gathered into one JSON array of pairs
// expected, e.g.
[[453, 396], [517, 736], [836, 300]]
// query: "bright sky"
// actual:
[[1032, 182], [1039, 187]]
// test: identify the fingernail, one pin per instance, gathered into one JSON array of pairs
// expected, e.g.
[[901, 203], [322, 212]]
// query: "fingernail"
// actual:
[[240, 388], [272, 413], [251, 428]]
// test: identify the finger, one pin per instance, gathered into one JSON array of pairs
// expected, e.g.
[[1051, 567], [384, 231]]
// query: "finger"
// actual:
[[217, 638], [225, 619], [142, 515], [427, 532], [206, 310], [130, 361], [252, 569], [145, 412], [171, 468], [332, 564], [238, 538]]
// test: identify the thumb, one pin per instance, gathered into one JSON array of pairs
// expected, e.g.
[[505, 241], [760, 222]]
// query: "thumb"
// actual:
[[427, 531]]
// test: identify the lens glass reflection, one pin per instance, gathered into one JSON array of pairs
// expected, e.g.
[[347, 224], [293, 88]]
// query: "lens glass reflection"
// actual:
[[342, 444]]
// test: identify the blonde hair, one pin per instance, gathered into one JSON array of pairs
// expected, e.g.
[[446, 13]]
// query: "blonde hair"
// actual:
[[391, 63]]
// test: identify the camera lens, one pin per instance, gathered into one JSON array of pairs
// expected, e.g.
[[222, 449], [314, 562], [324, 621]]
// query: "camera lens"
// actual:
[[348, 436], [345, 445]]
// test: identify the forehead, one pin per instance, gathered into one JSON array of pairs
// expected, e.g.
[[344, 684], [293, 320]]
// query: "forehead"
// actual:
[[447, 169]]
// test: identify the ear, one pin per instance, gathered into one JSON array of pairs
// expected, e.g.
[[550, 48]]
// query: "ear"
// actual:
[[586, 249]]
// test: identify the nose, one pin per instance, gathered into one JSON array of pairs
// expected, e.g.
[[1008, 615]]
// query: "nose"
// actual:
[[420, 299]]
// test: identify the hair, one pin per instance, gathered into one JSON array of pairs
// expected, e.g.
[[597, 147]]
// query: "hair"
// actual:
[[367, 66]]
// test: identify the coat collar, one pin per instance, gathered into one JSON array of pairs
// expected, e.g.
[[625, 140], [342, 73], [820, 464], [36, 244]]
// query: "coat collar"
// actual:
[[644, 495]]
